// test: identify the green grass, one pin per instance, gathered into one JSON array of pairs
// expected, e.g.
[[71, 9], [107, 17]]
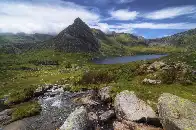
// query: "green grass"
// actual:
[[26, 110], [75, 69]]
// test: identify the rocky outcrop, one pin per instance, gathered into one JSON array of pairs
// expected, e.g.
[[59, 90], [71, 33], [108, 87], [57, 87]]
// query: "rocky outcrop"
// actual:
[[176, 113], [129, 107], [78, 120], [77, 37]]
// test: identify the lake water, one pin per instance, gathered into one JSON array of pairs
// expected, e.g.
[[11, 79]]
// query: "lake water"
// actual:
[[126, 59]]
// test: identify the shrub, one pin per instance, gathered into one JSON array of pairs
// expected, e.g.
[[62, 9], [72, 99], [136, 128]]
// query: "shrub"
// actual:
[[20, 96], [26, 110], [96, 77]]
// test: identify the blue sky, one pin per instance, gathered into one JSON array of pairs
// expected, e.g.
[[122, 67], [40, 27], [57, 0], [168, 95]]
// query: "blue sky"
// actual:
[[148, 18]]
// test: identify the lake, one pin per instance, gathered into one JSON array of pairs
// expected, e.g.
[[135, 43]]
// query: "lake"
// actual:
[[127, 59]]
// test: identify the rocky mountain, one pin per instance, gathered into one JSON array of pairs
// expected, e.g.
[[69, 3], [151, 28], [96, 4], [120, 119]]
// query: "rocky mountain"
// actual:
[[183, 39], [77, 37]]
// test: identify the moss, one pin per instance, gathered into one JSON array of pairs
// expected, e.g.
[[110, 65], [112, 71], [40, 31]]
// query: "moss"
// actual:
[[26, 110]]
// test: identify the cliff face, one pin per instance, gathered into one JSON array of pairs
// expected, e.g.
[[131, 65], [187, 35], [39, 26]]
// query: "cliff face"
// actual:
[[77, 37]]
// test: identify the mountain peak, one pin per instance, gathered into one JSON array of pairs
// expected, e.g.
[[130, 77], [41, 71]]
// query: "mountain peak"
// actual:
[[78, 20], [77, 37]]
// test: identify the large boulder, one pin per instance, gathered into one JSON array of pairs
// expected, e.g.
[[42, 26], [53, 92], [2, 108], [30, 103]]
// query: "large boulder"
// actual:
[[78, 120], [131, 108], [176, 113]]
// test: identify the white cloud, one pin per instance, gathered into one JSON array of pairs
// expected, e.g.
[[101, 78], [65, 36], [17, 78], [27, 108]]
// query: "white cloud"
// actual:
[[171, 12], [42, 18], [129, 28], [124, 14]]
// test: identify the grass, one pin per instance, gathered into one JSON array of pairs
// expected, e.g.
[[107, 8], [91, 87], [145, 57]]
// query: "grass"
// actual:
[[26, 110], [20, 76]]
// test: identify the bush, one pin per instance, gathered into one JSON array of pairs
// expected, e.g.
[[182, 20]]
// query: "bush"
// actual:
[[26, 110], [96, 77], [20, 96]]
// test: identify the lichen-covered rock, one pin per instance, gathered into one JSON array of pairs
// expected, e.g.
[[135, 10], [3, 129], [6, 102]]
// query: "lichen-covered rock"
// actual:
[[157, 65], [104, 94], [77, 37], [151, 81], [77, 120], [176, 113], [129, 107]]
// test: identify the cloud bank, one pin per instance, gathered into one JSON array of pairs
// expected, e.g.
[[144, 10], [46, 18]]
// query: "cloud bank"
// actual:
[[42, 18]]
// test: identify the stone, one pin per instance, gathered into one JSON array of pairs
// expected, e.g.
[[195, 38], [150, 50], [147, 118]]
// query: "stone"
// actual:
[[77, 120], [17, 125], [129, 107], [87, 100], [5, 116], [128, 125], [42, 89], [176, 113], [151, 81], [92, 116], [120, 126], [157, 65], [107, 115], [104, 94]]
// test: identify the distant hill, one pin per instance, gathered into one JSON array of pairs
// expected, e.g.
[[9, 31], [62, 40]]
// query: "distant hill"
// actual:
[[184, 39], [21, 38]]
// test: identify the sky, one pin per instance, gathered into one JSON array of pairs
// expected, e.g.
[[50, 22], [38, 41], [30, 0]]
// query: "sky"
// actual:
[[147, 18]]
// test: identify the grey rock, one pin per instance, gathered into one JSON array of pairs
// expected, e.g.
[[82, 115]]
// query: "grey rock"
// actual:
[[18, 125], [107, 115], [176, 113], [78, 120], [104, 94], [151, 81], [92, 116], [128, 125], [129, 107], [5, 116]]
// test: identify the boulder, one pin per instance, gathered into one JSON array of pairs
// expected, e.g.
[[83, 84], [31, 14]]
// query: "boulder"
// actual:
[[151, 81], [104, 94], [77, 120], [107, 115], [157, 65], [129, 107], [128, 125], [176, 113]]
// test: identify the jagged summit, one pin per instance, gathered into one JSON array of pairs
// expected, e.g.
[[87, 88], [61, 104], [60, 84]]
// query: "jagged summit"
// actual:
[[77, 37]]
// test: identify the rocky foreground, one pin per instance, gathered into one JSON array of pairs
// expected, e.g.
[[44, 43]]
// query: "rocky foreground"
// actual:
[[94, 110]]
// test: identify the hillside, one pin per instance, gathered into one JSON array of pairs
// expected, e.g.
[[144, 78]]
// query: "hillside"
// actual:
[[185, 39], [21, 38]]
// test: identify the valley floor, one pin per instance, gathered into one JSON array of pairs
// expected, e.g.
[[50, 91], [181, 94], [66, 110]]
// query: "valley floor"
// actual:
[[22, 74]]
